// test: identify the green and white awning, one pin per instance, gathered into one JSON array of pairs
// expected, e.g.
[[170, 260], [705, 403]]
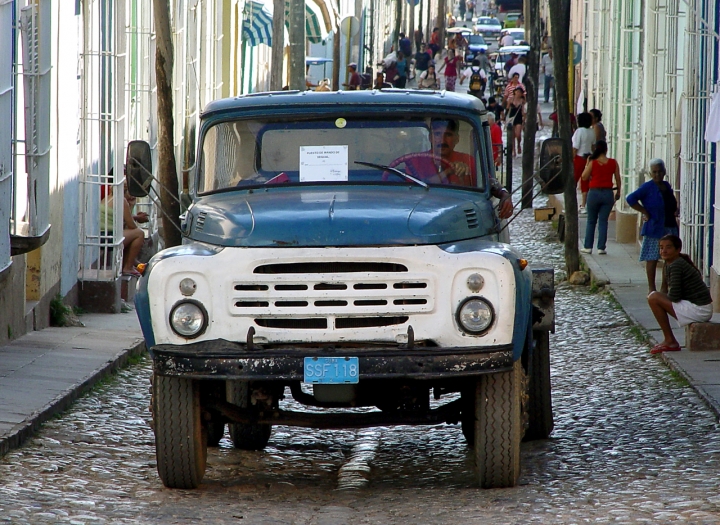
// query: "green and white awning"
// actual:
[[314, 27]]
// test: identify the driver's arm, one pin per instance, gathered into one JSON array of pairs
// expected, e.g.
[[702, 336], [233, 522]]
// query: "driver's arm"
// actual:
[[505, 208]]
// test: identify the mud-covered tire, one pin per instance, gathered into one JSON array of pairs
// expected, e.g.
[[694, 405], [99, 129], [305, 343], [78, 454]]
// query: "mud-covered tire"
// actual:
[[498, 428], [215, 432], [180, 440], [540, 413], [245, 436]]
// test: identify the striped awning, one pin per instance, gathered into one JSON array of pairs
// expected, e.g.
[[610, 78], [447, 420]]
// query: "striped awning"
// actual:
[[257, 24], [314, 27]]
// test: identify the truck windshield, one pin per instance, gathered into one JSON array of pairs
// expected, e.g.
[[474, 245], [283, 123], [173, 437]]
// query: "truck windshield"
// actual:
[[246, 153]]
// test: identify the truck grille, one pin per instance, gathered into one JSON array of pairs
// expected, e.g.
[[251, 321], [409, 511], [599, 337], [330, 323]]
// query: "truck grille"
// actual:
[[331, 295]]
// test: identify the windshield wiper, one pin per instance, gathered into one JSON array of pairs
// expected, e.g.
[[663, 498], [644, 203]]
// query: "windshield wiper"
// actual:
[[395, 171]]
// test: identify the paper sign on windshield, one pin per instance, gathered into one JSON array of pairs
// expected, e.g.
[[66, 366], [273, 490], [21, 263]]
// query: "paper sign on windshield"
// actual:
[[323, 163]]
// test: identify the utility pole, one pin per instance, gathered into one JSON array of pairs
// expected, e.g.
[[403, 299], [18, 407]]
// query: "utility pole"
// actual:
[[167, 166], [297, 44], [560, 31], [336, 52], [532, 35], [442, 21], [278, 46]]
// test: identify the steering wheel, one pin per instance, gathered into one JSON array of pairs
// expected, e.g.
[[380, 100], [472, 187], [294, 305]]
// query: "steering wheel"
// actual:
[[428, 159]]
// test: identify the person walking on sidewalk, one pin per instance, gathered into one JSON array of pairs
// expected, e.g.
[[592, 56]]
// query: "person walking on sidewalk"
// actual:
[[548, 70], [600, 171], [657, 203], [683, 294], [582, 146], [598, 127]]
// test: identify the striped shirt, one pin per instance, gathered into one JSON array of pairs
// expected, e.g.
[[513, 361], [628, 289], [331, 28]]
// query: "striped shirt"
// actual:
[[685, 282]]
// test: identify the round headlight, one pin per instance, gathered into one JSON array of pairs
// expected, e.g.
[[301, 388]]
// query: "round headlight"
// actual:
[[188, 319], [475, 315]]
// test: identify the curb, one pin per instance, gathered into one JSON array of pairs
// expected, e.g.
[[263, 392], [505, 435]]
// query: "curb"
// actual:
[[23, 431]]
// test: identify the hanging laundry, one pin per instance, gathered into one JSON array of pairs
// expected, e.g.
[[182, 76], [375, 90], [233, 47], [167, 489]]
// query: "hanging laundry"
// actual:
[[712, 131]]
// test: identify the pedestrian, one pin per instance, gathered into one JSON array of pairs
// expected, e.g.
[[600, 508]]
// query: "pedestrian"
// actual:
[[380, 81], [598, 127], [496, 109], [422, 59], [462, 9], [402, 67], [510, 90], [450, 66], [405, 45], [428, 79], [355, 80], [434, 44], [484, 61], [516, 118], [582, 144], [496, 139], [509, 64], [657, 203], [520, 68], [547, 67], [683, 294], [469, 9], [600, 171], [507, 39], [477, 79], [418, 36]]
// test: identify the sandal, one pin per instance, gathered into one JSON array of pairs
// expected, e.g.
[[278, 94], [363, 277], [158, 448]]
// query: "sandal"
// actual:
[[132, 273], [660, 348]]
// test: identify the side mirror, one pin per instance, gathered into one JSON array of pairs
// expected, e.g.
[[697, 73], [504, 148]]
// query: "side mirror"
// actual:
[[550, 171], [138, 168]]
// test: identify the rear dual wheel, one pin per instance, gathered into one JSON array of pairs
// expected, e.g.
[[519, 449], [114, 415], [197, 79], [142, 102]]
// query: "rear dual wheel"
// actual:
[[246, 436]]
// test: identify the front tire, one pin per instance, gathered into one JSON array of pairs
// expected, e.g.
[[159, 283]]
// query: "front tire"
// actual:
[[180, 442], [498, 428], [246, 436]]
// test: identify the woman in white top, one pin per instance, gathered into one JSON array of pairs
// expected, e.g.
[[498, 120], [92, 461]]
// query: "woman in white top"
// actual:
[[582, 141]]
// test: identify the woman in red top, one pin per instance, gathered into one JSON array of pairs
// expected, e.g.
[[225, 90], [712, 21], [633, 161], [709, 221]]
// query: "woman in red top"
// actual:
[[600, 170], [450, 66]]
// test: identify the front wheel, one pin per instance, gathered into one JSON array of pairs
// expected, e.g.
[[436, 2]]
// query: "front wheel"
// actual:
[[180, 440], [498, 428]]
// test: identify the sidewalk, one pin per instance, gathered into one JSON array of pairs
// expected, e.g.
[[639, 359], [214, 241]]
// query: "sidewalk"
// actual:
[[43, 372], [627, 281]]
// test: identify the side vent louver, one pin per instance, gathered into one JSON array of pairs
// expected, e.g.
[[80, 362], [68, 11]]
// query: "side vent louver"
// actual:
[[200, 221], [472, 220]]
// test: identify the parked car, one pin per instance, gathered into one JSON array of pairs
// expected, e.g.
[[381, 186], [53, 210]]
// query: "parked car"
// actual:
[[344, 248], [488, 27], [511, 19], [475, 44]]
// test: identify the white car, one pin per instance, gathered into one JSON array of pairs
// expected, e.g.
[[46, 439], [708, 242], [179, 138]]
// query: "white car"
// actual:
[[518, 34], [488, 27]]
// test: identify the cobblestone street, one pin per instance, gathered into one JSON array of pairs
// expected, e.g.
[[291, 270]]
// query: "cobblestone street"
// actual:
[[632, 444]]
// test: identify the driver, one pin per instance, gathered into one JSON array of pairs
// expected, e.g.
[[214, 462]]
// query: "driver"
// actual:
[[443, 165]]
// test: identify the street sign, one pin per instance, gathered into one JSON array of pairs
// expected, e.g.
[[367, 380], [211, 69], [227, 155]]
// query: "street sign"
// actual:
[[413, 2], [577, 53], [350, 26]]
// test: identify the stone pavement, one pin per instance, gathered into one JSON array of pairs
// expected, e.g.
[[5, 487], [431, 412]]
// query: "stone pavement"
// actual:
[[43, 372], [627, 281]]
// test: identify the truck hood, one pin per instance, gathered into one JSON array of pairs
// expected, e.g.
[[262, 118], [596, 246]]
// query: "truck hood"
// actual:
[[339, 216]]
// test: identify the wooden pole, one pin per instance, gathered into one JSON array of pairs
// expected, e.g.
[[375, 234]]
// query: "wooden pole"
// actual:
[[297, 44], [532, 35], [560, 32], [167, 166], [278, 45]]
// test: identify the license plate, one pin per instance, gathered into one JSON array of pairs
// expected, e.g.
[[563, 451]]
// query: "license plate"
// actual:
[[331, 370]]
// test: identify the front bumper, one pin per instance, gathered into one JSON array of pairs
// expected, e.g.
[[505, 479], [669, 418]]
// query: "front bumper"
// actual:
[[221, 359]]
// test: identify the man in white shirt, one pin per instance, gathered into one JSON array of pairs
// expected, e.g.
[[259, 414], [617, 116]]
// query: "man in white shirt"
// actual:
[[507, 39], [477, 84], [547, 68], [520, 68]]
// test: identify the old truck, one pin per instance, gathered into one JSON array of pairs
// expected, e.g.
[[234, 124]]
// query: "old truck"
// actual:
[[344, 249]]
